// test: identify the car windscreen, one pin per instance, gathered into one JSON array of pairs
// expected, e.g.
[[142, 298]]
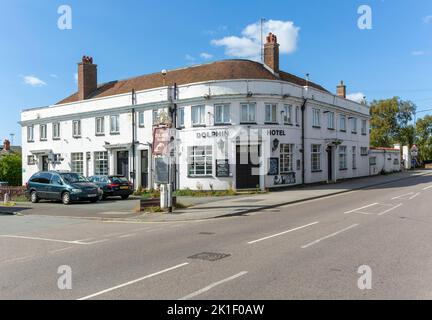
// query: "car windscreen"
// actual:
[[73, 177], [119, 179]]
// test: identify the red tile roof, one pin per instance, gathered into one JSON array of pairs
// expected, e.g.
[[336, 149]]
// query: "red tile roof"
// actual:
[[220, 70]]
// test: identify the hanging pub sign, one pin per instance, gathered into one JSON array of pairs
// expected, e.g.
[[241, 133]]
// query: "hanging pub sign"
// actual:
[[161, 141], [222, 168]]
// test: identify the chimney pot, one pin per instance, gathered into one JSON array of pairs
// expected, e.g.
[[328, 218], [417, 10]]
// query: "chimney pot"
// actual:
[[271, 53], [87, 77], [341, 90], [6, 145]]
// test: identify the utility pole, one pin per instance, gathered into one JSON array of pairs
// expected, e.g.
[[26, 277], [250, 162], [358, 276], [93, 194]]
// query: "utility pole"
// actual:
[[262, 20], [12, 136]]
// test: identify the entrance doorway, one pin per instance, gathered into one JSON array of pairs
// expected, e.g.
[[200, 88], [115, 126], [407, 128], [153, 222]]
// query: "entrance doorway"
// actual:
[[246, 174], [144, 168], [44, 163], [330, 163], [123, 163]]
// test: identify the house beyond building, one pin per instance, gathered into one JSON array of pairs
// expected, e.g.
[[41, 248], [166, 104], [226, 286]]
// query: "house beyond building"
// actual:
[[239, 124]]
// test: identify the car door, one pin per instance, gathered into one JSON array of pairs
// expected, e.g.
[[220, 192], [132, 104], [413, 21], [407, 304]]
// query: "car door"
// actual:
[[44, 185], [56, 187]]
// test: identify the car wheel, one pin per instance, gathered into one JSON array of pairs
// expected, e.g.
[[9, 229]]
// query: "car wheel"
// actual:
[[66, 198], [34, 197], [124, 197]]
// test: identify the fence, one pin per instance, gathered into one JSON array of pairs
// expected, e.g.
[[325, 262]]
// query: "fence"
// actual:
[[13, 192]]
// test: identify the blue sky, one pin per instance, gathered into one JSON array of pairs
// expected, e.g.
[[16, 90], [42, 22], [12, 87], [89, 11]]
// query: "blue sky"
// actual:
[[130, 38]]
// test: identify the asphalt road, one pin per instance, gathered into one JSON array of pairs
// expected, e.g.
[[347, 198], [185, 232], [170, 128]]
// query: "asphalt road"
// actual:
[[310, 250]]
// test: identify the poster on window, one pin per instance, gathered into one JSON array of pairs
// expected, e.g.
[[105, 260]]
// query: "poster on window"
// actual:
[[222, 168]]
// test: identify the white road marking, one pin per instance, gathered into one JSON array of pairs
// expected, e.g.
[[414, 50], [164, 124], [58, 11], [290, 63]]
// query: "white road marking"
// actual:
[[414, 196], [17, 259], [42, 239], [95, 242], [388, 210], [282, 233], [60, 250], [127, 235], [197, 293], [358, 209], [403, 195], [133, 281], [427, 188], [329, 236]]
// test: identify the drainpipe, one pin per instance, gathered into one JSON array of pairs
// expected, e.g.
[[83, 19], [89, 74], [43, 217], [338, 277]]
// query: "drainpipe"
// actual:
[[303, 109], [133, 139]]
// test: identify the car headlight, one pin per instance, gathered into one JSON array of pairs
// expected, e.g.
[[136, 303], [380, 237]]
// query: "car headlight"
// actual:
[[76, 190]]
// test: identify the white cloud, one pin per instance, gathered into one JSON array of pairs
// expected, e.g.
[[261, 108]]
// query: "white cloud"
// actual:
[[52, 75], [189, 57], [206, 55], [357, 97], [418, 53], [76, 77], [33, 81], [427, 19], [248, 45]]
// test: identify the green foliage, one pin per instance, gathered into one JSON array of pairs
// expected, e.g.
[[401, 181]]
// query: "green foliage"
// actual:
[[11, 169], [201, 193], [390, 122], [424, 138]]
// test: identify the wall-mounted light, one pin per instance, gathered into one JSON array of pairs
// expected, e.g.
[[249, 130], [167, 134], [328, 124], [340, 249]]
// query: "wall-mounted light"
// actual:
[[285, 96], [249, 94], [207, 96]]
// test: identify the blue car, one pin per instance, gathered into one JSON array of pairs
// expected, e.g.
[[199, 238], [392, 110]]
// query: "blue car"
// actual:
[[65, 186]]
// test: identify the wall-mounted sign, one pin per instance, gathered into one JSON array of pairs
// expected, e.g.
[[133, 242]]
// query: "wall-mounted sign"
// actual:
[[285, 179], [222, 168], [273, 167], [276, 133]]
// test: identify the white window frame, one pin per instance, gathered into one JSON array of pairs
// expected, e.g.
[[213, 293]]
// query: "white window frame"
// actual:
[[56, 130], [198, 119], [316, 118], [342, 122], [115, 124], [101, 163], [287, 118], [76, 128], [200, 156], [271, 112], [316, 157], [77, 162], [364, 151], [250, 116], [286, 158], [342, 151], [100, 126], [354, 157], [31, 160], [331, 120], [141, 119], [353, 125], [180, 117], [43, 132], [224, 110], [297, 115], [364, 127], [30, 133]]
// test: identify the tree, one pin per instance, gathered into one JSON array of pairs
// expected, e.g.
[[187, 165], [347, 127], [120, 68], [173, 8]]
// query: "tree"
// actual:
[[390, 122], [11, 169], [424, 138]]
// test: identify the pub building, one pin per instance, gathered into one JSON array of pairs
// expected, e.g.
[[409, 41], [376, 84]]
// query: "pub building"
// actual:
[[234, 124]]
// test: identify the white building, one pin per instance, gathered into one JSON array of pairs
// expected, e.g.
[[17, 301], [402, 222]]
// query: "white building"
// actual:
[[241, 124]]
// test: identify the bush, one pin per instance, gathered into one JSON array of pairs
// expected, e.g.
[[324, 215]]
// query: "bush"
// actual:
[[11, 169]]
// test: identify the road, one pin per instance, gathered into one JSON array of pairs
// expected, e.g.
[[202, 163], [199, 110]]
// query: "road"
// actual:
[[309, 250]]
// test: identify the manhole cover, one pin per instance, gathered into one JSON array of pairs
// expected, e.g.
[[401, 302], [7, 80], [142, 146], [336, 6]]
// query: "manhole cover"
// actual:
[[207, 233], [209, 256]]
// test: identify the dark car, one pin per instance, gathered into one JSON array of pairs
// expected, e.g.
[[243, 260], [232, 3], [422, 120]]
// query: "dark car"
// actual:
[[113, 186], [65, 186]]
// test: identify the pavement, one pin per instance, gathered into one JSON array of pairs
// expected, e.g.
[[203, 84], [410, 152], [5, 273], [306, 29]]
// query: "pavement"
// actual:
[[371, 243]]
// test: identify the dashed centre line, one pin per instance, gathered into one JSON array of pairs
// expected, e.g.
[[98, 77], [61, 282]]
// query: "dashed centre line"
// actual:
[[285, 232], [329, 236]]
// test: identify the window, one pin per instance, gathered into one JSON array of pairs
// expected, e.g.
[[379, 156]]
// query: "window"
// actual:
[[316, 118], [316, 157], [100, 126], [222, 114], [286, 158], [271, 113], [198, 115], [56, 180], [57, 158], [330, 121], [181, 118], [56, 131], [76, 128], [353, 125], [287, 114], [43, 132], [77, 162], [342, 123], [141, 119], [354, 157], [364, 151], [297, 115], [31, 160], [342, 158], [363, 127], [115, 124], [200, 161], [101, 163], [248, 112], [30, 133], [372, 161]]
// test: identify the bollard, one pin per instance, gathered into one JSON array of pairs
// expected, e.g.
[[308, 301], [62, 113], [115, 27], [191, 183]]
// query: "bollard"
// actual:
[[6, 199], [163, 196]]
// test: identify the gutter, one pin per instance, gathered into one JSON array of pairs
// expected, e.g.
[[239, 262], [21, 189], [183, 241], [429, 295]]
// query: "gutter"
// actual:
[[303, 109]]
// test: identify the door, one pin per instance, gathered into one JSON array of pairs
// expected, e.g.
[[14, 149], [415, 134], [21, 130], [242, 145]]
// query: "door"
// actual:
[[56, 187], [44, 163], [123, 163], [144, 168], [330, 163], [246, 159]]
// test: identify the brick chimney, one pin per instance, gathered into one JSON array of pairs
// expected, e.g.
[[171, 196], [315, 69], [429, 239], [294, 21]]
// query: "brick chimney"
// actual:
[[87, 77], [271, 53], [6, 145], [341, 90]]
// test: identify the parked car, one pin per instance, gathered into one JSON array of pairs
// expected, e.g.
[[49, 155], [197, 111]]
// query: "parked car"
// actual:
[[113, 186], [65, 186]]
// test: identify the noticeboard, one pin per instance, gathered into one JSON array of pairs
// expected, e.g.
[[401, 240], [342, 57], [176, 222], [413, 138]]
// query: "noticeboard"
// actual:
[[222, 168], [161, 170]]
